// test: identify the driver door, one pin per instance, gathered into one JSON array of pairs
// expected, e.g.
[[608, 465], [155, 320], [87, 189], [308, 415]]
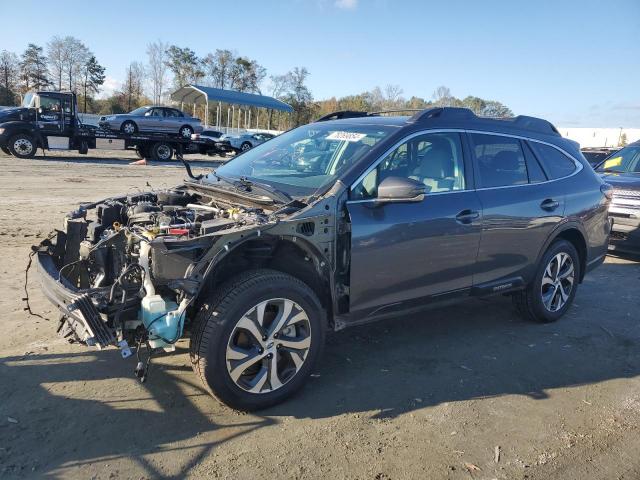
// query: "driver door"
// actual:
[[50, 116], [403, 253]]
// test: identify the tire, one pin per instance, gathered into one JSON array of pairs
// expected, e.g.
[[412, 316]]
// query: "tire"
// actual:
[[84, 148], [128, 127], [185, 131], [218, 329], [22, 145], [547, 302], [161, 151], [245, 146], [6, 151]]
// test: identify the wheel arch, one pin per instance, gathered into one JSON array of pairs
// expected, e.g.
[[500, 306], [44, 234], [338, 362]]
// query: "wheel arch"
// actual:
[[288, 254], [574, 233]]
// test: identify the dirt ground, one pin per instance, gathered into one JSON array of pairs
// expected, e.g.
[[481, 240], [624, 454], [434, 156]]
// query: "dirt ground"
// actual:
[[469, 391]]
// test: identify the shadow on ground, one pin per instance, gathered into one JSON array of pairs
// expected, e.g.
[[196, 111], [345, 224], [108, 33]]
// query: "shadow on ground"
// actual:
[[473, 350]]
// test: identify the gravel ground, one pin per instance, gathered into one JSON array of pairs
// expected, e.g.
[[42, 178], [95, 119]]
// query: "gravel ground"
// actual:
[[469, 391]]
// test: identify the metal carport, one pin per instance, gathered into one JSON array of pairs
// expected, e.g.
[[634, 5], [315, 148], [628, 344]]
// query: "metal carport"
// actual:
[[201, 95]]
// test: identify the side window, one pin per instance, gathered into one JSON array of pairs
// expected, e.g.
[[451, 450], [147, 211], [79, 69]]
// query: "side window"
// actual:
[[157, 112], [500, 160], [434, 159], [50, 105], [170, 112], [536, 174], [555, 163]]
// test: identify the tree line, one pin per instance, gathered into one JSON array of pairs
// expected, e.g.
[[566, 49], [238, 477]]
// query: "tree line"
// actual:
[[65, 63]]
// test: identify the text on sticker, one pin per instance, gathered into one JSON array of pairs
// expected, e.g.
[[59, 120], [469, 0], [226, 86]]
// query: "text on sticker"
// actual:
[[347, 136]]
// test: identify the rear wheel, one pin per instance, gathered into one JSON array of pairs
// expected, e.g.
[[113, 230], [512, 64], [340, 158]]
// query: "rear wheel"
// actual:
[[554, 287], [257, 339], [161, 151], [22, 145], [129, 127], [245, 146]]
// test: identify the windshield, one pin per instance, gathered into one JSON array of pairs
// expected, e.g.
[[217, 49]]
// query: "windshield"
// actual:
[[301, 161], [626, 160], [28, 100], [139, 111]]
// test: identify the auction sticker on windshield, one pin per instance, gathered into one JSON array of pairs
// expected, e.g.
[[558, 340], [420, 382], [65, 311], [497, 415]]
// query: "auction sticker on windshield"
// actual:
[[347, 136]]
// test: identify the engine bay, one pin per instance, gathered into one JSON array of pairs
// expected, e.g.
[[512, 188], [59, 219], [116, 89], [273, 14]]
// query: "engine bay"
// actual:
[[133, 255]]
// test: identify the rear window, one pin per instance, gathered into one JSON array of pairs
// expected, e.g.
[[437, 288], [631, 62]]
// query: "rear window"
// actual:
[[555, 163], [500, 160]]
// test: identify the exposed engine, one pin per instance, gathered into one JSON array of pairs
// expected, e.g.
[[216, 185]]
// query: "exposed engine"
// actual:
[[134, 254]]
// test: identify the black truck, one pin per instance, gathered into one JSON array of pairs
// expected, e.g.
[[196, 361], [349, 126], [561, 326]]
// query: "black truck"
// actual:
[[49, 120]]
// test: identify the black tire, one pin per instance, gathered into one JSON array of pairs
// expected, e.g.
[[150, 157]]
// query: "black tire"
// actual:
[[217, 320], [161, 151], [5, 150], [129, 127], [245, 146], [84, 148], [22, 145], [529, 303], [185, 131]]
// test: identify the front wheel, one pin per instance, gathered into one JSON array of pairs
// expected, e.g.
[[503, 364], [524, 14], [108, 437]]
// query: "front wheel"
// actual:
[[22, 145], [129, 128], [245, 146], [257, 339], [186, 131], [553, 289]]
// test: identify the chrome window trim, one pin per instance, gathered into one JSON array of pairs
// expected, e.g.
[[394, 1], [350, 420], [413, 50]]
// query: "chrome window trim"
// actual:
[[579, 166]]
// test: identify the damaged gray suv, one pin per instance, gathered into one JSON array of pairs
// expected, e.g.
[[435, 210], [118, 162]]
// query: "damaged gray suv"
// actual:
[[351, 219]]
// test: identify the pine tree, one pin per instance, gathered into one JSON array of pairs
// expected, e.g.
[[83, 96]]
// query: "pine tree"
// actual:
[[92, 78], [33, 69]]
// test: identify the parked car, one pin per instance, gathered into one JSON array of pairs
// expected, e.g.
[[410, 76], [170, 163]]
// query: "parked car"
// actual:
[[244, 142], [595, 156], [152, 119], [207, 144], [622, 171], [259, 258]]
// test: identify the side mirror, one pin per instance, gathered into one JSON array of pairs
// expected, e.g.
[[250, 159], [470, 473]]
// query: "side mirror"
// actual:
[[400, 189], [36, 101]]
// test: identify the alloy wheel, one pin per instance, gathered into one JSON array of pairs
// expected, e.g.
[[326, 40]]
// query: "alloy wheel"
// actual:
[[268, 345], [245, 147], [185, 132], [129, 128], [23, 146], [557, 282]]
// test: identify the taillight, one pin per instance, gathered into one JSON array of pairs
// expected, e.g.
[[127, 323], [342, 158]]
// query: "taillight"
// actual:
[[607, 190]]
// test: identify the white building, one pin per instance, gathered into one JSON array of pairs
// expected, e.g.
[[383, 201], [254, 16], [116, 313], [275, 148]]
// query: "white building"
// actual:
[[599, 137]]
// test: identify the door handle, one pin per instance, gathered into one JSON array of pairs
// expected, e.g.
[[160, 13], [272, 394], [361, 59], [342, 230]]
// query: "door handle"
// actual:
[[467, 216], [549, 205]]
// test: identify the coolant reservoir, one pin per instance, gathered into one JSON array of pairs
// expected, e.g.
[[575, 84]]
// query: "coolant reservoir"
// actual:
[[161, 318]]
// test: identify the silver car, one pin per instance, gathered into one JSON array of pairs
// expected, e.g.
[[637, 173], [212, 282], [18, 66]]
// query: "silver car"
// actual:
[[244, 142], [153, 119]]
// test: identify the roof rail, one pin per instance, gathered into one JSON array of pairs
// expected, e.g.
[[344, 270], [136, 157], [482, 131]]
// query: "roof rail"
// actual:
[[442, 112], [342, 114], [537, 124], [358, 114]]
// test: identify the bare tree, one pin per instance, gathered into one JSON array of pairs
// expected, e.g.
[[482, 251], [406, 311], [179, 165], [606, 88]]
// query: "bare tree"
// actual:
[[132, 87], [76, 55], [442, 96], [56, 60], [393, 96], [217, 67], [157, 69]]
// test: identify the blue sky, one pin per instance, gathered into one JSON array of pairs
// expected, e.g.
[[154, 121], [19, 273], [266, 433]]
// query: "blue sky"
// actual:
[[576, 63]]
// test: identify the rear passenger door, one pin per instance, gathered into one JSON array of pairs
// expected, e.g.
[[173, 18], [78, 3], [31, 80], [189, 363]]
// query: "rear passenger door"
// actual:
[[520, 209]]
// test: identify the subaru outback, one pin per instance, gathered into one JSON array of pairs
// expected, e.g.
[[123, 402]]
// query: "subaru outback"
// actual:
[[333, 224]]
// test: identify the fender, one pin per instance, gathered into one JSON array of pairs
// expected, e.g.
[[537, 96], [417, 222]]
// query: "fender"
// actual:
[[17, 126]]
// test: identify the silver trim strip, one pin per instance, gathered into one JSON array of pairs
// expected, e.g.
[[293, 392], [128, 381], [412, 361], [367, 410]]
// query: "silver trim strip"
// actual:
[[577, 163]]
